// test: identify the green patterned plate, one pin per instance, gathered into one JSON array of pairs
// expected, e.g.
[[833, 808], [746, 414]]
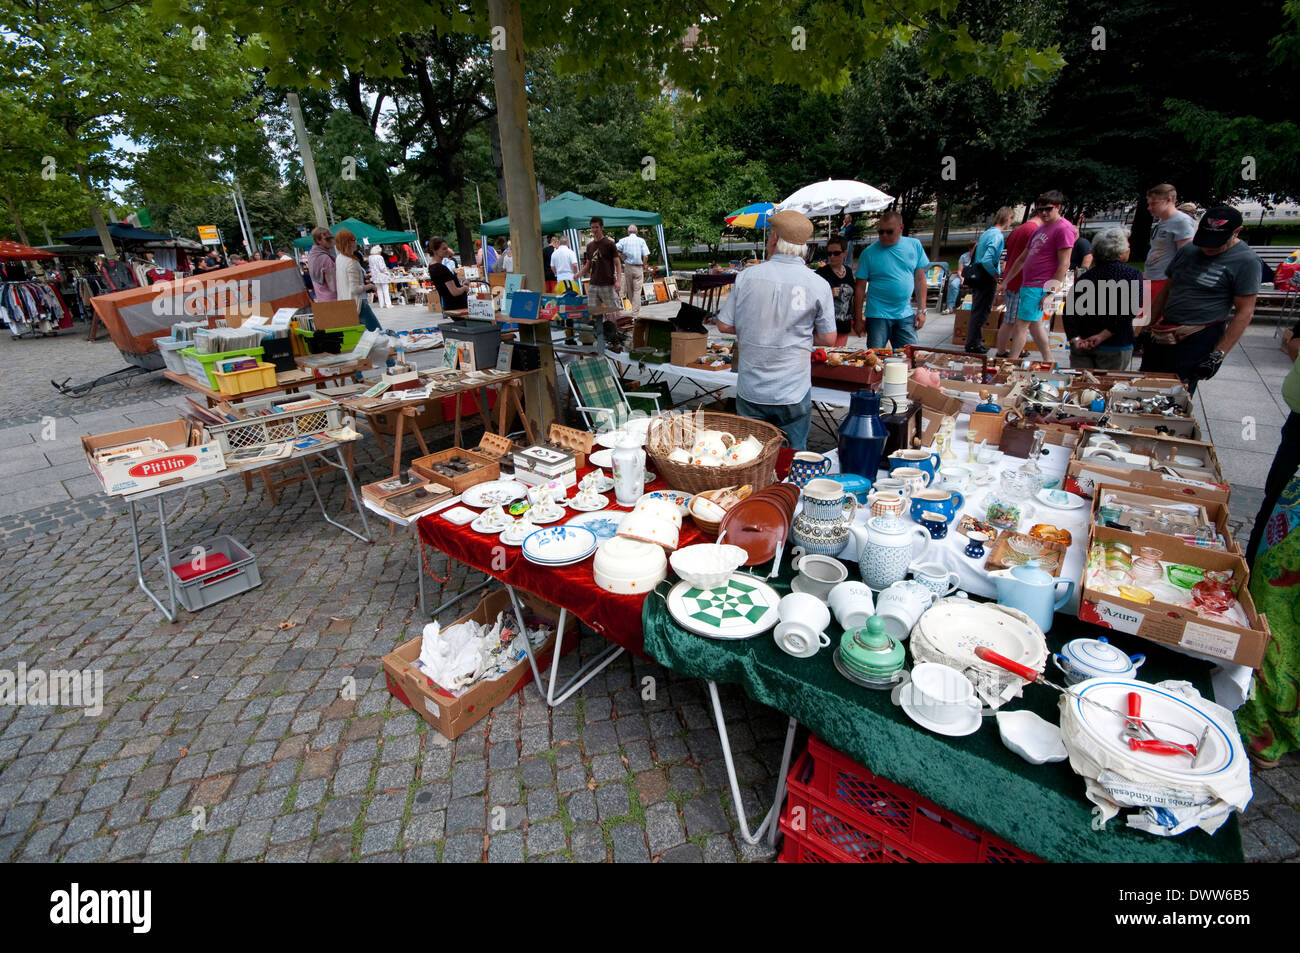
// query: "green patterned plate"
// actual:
[[743, 608]]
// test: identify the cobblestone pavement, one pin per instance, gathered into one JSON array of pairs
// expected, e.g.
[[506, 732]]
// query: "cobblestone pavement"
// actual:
[[238, 710]]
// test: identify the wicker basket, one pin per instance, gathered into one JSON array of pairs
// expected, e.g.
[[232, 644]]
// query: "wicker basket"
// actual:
[[759, 473]]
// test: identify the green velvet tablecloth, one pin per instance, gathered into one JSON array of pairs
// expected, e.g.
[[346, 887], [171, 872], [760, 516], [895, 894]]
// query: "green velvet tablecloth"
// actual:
[[1038, 808]]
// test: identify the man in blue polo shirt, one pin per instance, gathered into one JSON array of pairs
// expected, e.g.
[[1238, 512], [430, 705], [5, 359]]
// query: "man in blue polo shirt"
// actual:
[[891, 272]]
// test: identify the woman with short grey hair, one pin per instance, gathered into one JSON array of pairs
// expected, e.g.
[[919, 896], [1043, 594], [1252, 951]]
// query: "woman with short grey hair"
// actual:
[[1101, 306]]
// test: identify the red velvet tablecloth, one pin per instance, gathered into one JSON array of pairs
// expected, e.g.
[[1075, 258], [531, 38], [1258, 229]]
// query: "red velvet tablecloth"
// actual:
[[616, 617]]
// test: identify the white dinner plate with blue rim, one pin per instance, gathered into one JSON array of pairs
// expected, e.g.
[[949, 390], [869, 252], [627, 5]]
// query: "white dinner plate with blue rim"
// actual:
[[559, 545], [1165, 708], [604, 525]]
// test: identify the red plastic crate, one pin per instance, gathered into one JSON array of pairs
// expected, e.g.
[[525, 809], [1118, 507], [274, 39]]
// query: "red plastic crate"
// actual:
[[920, 828]]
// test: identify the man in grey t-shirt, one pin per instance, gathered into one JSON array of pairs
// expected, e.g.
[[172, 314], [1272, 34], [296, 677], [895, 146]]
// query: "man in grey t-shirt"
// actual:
[[1173, 229], [1214, 277], [779, 311]]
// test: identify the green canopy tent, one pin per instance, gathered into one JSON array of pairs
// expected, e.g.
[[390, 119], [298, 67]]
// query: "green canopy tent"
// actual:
[[570, 212], [367, 235]]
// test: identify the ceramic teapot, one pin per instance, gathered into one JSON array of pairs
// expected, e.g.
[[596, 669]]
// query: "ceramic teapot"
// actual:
[[822, 526], [1032, 591], [886, 547]]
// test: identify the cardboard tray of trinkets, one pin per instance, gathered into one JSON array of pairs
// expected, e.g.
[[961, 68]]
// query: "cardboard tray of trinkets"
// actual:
[[457, 468]]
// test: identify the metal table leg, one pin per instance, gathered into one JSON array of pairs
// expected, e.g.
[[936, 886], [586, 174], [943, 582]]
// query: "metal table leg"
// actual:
[[769, 822], [341, 465], [580, 678], [170, 613]]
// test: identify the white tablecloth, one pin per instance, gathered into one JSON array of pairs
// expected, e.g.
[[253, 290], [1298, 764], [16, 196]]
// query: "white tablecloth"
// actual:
[[825, 396]]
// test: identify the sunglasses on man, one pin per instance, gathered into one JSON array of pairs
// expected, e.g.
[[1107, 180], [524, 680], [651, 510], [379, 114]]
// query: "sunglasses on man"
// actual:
[[886, 231]]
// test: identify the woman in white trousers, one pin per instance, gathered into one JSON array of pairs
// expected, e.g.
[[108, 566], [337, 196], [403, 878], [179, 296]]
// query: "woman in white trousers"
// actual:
[[379, 275]]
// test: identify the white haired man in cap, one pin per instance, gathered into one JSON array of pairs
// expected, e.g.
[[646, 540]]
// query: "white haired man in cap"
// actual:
[[779, 311], [635, 253], [1211, 280]]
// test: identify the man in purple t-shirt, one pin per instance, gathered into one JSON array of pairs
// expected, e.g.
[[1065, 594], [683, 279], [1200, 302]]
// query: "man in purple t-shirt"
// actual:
[[1044, 263]]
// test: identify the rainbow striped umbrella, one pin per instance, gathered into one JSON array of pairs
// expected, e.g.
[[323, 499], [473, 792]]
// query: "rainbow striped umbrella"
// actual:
[[751, 216]]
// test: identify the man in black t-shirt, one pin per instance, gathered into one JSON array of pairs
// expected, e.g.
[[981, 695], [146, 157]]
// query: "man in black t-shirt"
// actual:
[[453, 295], [548, 273], [842, 283]]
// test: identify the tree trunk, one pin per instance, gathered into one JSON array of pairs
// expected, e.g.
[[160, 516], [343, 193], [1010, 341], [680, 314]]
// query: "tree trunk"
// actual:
[[494, 137], [1139, 241], [18, 221], [521, 195], [464, 237], [940, 227]]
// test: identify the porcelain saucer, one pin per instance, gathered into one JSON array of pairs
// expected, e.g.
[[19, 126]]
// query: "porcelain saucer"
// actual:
[[575, 505], [540, 518], [956, 729]]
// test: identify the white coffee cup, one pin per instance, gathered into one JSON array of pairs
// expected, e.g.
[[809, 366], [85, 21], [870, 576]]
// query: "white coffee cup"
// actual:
[[819, 574], [806, 609], [799, 639], [935, 578], [940, 694], [852, 603], [953, 477], [901, 604]]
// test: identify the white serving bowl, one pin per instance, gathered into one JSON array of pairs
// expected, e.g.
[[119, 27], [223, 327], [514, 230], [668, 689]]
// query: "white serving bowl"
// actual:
[[707, 565], [628, 567], [649, 528], [660, 508]]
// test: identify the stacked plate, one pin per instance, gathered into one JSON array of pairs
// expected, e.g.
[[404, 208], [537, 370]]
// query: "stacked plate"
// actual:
[[760, 523], [559, 545]]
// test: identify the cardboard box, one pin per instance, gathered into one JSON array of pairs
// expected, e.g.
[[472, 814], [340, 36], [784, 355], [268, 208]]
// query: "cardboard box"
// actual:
[[451, 715], [1160, 447], [961, 325], [1175, 625], [429, 415], [687, 348], [331, 315], [1216, 511], [653, 332], [932, 398], [134, 475], [1089, 474]]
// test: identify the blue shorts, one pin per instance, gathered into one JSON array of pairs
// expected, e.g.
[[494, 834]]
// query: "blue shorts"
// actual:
[[1031, 304]]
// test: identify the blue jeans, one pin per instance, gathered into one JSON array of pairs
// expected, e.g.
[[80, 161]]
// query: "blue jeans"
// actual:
[[794, 419], [368, 316], [954, 291], [897, 332]]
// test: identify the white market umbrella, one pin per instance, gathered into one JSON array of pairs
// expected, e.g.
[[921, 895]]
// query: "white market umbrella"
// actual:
[[836, 195]]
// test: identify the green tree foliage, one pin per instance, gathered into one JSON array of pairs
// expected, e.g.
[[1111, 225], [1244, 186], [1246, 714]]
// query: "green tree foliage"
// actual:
[[91, 77]]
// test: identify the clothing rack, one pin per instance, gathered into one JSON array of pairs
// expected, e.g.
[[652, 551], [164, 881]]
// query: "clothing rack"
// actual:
[[32, 308]]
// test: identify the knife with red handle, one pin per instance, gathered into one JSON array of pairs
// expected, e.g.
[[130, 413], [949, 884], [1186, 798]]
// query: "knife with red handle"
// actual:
[[986, 654]]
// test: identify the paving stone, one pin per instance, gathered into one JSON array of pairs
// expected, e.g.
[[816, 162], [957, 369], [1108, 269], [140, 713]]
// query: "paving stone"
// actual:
[[386, 807], [663, 827], [542, 804], [468, 777], [88, 852], [425, 828], [719, 850], [40, 845], [573, 778], [703, 815], [82, 827], [226, 813], [249, 840], [210, 791], [612, 800], [403, 748], [432, 797], [1277, 843], [421, 855], [281, 773], [588, 844], [169, 802], [340, 813], [608, 767], [599, 738], [538, 773], [682, 854], [62, 807], [365, 750], [352, 779], [132, 842], [685, 779], [267, 804], [629, 844], [506, 848], [395, 777], [670, 749], [581, 805], [310, 793], [545, 837], [39, 790], [294, 827], [466, 814], [208, 849], [638, 756], [333, 847], [104, 794], [463, 849], [172, 834]]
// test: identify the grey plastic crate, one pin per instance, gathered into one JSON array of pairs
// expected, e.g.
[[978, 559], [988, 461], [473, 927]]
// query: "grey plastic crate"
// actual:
[[211, 587]]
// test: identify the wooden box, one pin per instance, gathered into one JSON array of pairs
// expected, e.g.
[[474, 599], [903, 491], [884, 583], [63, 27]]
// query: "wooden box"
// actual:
[[423, 467]]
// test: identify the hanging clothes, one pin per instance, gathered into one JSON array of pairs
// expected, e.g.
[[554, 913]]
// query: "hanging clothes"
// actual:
[[32, 307], [118, 274]]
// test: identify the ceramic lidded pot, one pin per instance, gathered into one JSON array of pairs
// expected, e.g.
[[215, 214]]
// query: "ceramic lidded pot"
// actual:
[[1095, 658], [822, 526], [886, 547], [870, 652]]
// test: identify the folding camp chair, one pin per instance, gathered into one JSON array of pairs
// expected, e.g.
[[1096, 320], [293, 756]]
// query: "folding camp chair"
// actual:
[[599, 393], [936, 279]]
